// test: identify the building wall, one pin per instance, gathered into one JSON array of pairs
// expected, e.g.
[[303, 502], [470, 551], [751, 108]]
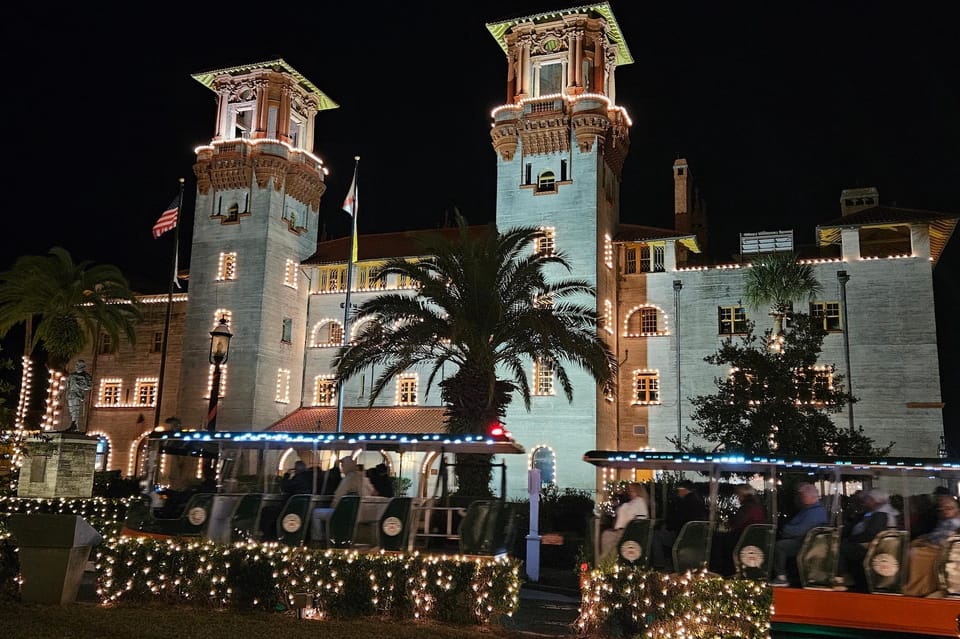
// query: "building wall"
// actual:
[[126, 424]]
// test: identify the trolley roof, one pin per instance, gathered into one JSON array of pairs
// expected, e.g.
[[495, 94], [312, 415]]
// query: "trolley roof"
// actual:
[[396, 442], [727, 462]]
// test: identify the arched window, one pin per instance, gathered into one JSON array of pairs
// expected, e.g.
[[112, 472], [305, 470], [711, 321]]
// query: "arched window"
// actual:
[[546, 181], [645, 320], [327, 333], [544, 460]]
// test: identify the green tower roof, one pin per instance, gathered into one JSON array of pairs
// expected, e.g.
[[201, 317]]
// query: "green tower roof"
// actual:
[[206, 78], [498, 29]]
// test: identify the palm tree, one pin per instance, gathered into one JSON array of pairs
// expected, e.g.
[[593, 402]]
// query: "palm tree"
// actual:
[[65, 305], [775, 280], [484, 304]]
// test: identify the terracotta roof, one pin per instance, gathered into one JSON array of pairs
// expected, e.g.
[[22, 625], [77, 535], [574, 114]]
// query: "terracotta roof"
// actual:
[[399, 419], [378, 246], [941, 224], [640, 233]]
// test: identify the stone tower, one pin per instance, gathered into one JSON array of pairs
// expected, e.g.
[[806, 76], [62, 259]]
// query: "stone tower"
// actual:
[[256, 218], [560, 142]]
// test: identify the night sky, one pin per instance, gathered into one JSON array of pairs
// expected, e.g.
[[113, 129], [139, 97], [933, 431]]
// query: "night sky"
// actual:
[[776, 107]]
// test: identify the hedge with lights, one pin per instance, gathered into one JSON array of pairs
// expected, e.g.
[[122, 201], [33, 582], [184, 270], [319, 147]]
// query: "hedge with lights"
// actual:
[[626, 602], [104, 514], [340, 583]]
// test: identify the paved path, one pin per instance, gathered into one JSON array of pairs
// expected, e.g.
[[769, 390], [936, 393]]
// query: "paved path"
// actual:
[[545, 613]]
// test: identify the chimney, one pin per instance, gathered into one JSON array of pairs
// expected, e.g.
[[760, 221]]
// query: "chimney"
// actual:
[[689, 210], [853, 200], [682, 196]]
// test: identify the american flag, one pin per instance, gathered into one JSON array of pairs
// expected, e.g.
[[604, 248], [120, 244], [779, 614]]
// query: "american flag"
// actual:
[[168, 220]]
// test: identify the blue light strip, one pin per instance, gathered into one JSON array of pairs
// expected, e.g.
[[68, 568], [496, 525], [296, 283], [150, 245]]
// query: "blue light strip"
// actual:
[[332, 438]]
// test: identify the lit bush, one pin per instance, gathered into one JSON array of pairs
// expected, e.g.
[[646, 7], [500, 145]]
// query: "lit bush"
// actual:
[[341, 583], [624, 602]]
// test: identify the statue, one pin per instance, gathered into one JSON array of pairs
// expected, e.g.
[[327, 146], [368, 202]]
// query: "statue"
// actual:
[[79, 383]]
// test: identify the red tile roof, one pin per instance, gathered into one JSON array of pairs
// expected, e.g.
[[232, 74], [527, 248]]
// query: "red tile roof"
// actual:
[[400, 419]]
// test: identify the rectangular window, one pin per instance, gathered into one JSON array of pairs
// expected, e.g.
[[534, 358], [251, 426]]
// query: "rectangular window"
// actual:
[[110, 392], [658, 258], [334, 334], [822, 382], [147, 392], [227, 269], [325, 393], [645, 259], [286, 335], [290, 273], [156, 345], [333, 280], [732, 320], [550, 78], [407, 390], [630, 260], [820, 379], [106, 344], [646, 387], [543, 377], [648, 320], [283, 386], [828, 313], [547, 243]]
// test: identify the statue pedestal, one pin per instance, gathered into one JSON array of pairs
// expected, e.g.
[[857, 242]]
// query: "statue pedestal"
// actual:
[[58, 465]]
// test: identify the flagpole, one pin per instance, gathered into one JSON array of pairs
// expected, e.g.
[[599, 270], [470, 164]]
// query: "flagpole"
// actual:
[[350, 260], [166, 321]]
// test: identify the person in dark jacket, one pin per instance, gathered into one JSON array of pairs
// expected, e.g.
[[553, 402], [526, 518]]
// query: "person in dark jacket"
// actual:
[[380, 478], [879, 516], [298, 480], [750, 511], [688, 506]]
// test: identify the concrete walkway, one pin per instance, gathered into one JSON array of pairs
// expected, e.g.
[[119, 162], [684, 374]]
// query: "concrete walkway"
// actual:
[[545, 612]]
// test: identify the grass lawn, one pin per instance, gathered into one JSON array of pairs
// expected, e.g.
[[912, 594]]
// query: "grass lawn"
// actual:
[[89, 621]]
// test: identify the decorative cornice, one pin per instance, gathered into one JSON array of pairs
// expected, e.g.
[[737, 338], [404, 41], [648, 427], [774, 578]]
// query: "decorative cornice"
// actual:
[[270, 166]]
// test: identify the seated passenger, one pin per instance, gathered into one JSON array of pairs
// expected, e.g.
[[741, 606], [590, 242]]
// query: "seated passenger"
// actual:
[[750, 511], [879, 515], [811, 514], [353, 482], [380, 478], [688, 506], [925, 550], [635, 506], [298, 480]]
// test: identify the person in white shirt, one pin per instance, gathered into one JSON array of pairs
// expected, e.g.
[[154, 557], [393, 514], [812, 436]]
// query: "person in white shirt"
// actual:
[[353, 481], [635, 507]]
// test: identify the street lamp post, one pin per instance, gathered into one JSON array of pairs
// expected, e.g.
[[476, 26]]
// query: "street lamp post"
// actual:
[[219, 350], [677, 285], [843, 278]]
